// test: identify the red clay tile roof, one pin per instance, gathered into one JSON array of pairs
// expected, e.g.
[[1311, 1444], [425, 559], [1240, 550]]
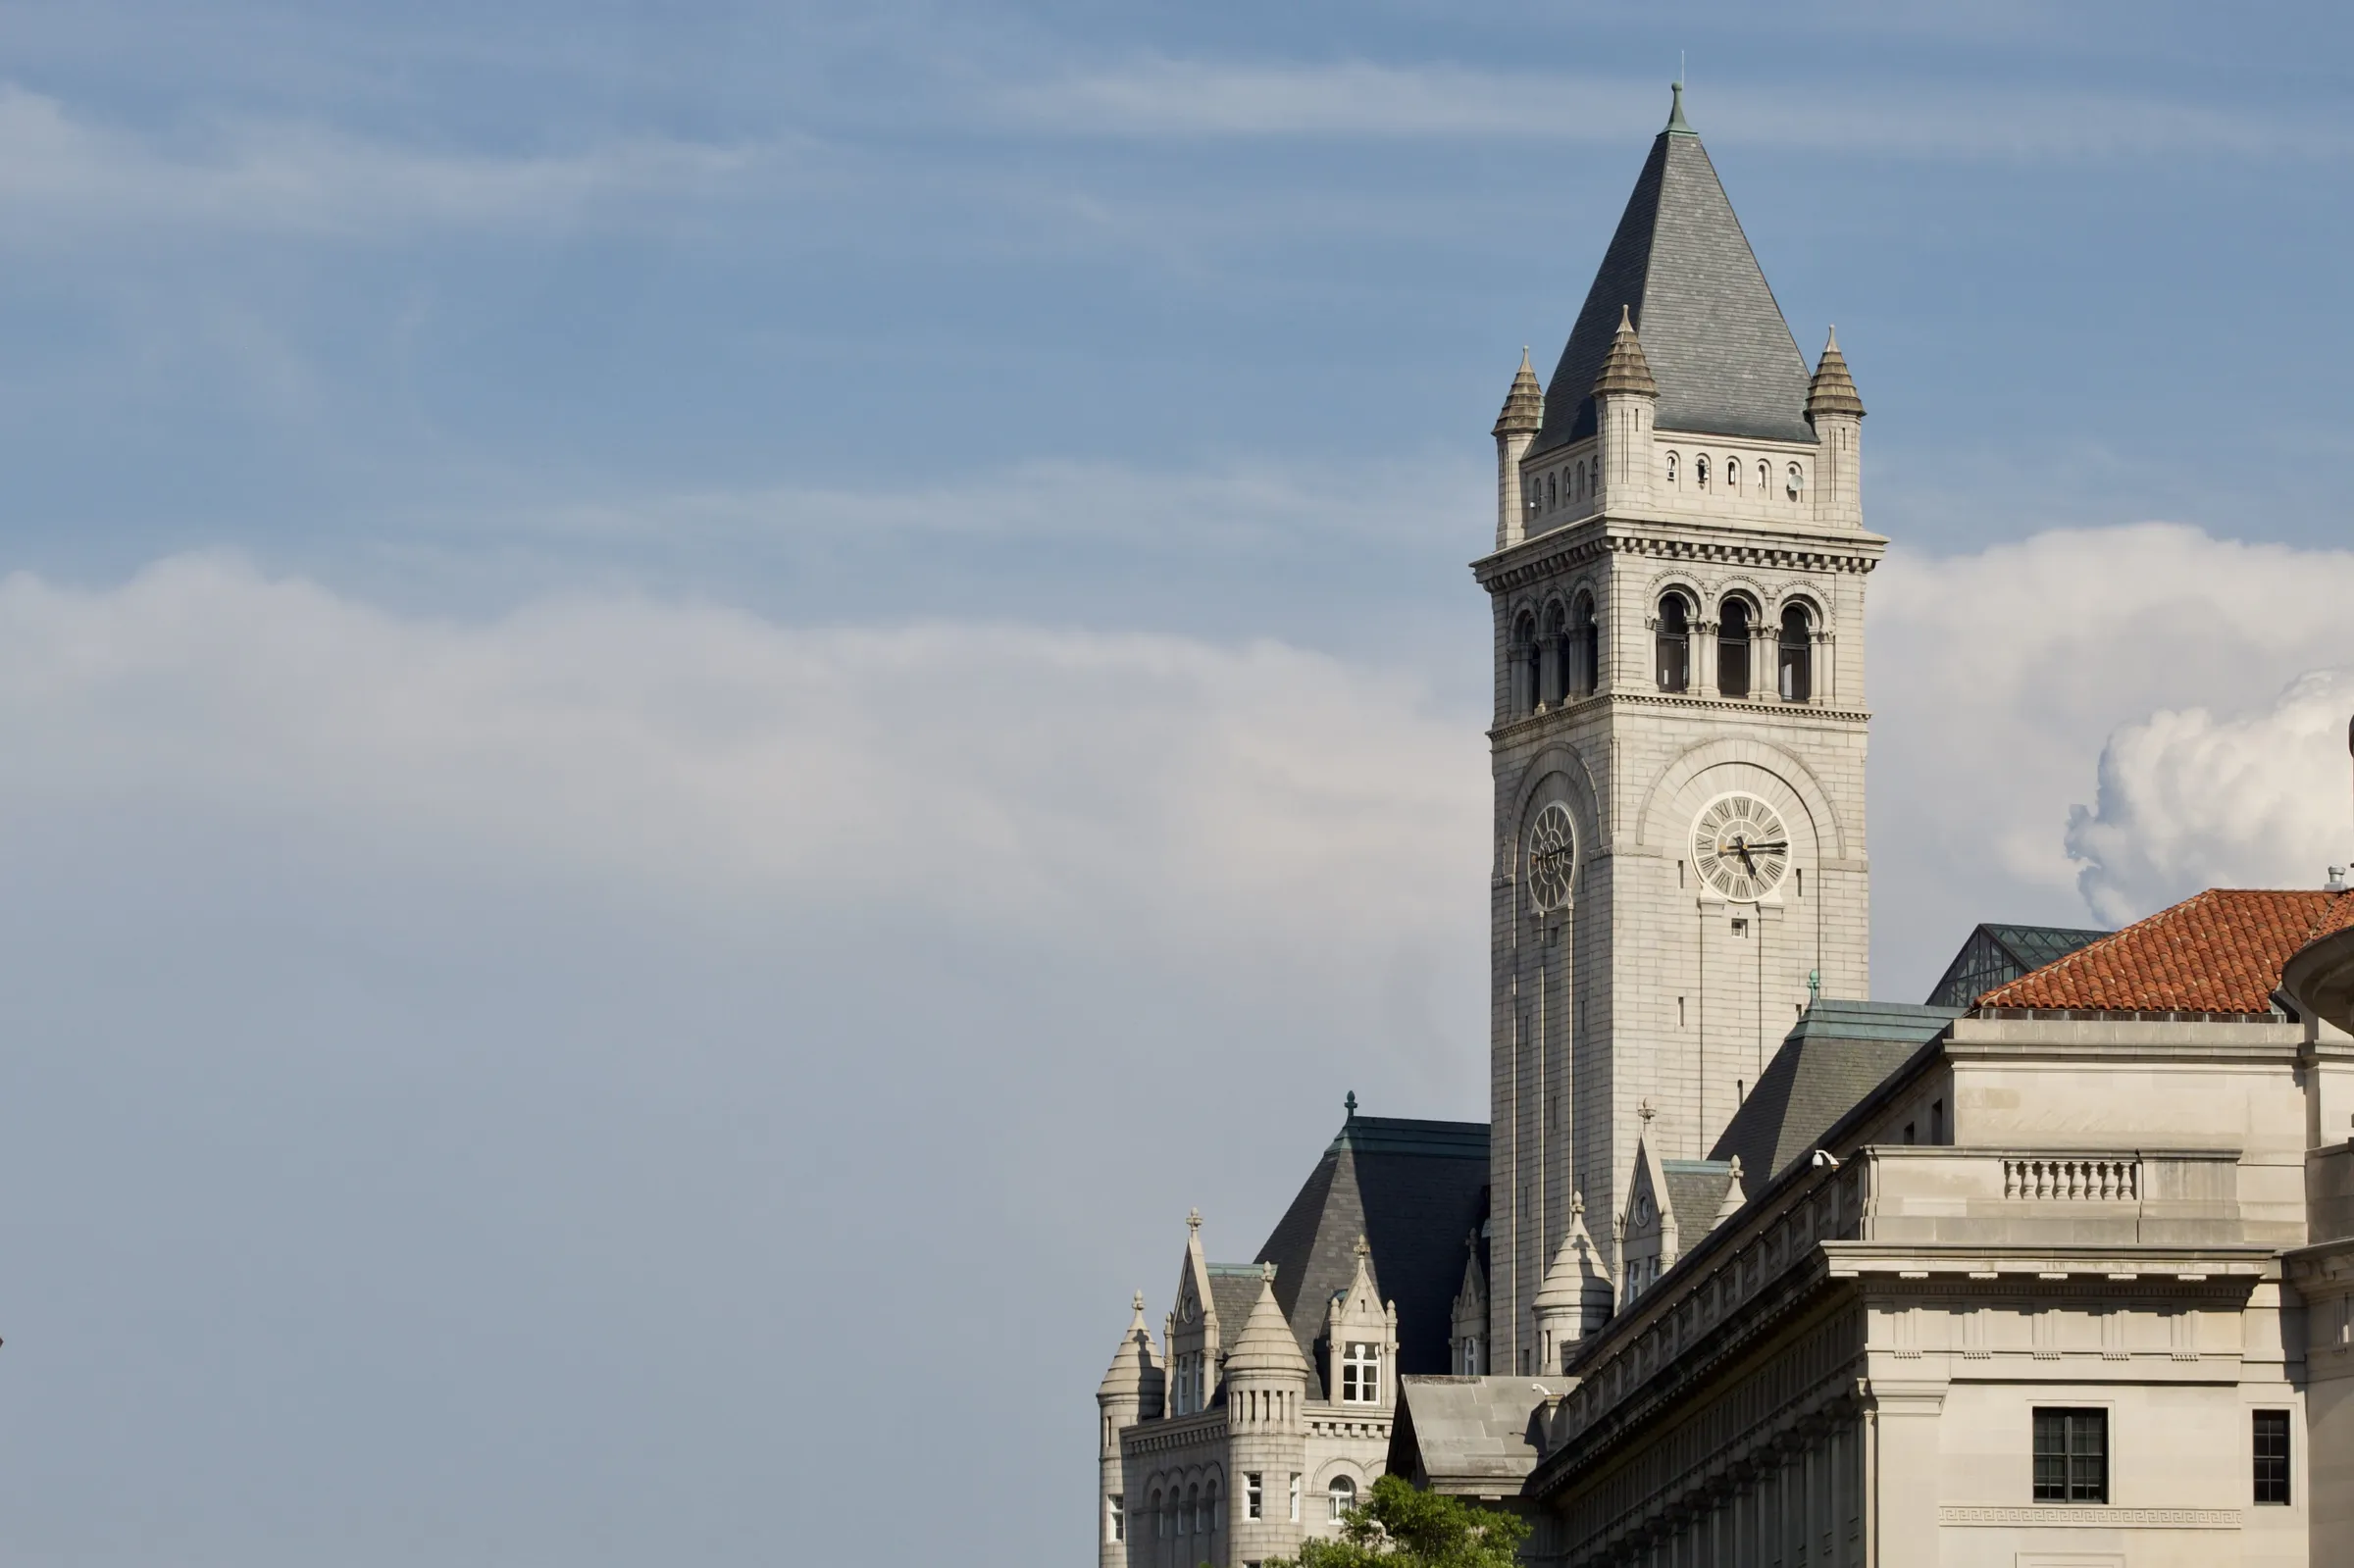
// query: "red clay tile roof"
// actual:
[[2219, 952]]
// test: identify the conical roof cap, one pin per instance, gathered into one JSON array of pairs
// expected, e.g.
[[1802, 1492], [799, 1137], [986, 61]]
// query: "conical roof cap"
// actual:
[[1577, 1269], [1265, 1346], [1523, 412], [1624, 369], [1832, 390], [1132, 1364]]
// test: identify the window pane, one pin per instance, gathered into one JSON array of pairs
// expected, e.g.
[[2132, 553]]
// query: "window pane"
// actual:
[[2272, 1456], [2072, 1456]]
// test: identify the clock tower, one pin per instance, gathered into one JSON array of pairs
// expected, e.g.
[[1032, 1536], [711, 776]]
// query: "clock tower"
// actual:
[[1679, 727]]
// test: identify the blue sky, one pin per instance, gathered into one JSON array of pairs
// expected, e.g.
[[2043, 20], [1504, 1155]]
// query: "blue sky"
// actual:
[[706, 703]]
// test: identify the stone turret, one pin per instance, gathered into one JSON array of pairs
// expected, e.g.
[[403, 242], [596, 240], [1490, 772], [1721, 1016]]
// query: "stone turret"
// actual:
[[1836, 412], [1267, 1395], [1626, 400], [1131, 1391], [1523, 415], [1577, 1297]]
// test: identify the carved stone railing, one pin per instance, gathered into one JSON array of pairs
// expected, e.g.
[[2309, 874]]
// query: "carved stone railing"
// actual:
[[2094, 1178]]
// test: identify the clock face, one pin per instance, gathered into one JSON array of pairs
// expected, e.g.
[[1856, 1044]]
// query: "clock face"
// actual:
[[1741, 848], [1552, 856]]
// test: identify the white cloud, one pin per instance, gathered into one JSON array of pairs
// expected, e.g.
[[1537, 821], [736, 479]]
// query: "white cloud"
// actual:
[[1356, 99], [1997, 676], [1002, 776], [2189, 800], [62, 173]]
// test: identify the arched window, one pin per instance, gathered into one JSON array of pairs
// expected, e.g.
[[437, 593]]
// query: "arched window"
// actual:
[[1798, 655], [1671, 467], [1581, 479], [1205, 1517], [1673, 643], [1160, 1520], [1793, 480], [1585, 642], [1732, 475], [1700, 471], [1764, 481], [1185, 1511], [1520, 666], [1341, 1495], [1553, 492], [1732, 648]]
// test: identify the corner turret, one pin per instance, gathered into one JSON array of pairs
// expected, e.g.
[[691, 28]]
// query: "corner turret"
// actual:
[[1267, 1395], [1627, 399], [1517, 426], [1131, 1391], [1577, 1297], [1836, 412]]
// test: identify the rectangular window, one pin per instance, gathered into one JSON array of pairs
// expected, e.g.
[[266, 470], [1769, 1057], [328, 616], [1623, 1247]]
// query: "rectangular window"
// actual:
[[1937, 1120], [1360, 1375], [1252, 1497], [1295, 1496], [2272, 1456], [2072, 1456]]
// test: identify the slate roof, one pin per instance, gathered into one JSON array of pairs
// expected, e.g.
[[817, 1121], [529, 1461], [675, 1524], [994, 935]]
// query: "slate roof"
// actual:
[[1996, 955], [2218, 951], [1414, 1190], [1715, 339], [1233, 1290], [1695, 1193], [1838, 1052], [1466, 1435]]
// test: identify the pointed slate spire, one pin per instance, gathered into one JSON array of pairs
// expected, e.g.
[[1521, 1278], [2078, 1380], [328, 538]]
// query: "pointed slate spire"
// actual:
[[1266, 1346], [1524, 406], [1724, 359], [1832, 390], [1624, 370]]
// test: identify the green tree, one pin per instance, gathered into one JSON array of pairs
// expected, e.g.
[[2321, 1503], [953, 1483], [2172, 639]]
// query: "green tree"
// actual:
[[1398, 1526]]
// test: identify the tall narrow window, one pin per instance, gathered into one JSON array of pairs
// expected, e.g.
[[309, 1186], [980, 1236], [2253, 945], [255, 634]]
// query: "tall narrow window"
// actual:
[[1585, 639], [1937, 1120], [1673, 643], [1360, 1375], [1765, 480], [2272, 1455], [1295, 1496], [1521, 667], [1253, 1498], [1553, 685], [1732, 650], [1798, 655], [1185, 1509], [1700, 471], [1341, 1495], [2072, 1456], [1553, 496], [1115, 1518], [1161, 1517], [1205, 1516]]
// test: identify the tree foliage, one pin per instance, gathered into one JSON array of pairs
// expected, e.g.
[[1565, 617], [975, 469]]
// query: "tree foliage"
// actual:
[[1398, 1526]]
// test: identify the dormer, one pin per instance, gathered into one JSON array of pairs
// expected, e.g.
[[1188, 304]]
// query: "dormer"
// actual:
[[1360, 1338], [1468, 1322], [1193, 1330]]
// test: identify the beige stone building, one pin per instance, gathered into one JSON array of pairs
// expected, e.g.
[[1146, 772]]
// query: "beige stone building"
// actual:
[[2054, 1272]]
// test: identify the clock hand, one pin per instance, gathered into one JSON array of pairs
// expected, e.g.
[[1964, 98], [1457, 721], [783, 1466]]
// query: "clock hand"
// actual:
[[1779, 843], [1741, 847]]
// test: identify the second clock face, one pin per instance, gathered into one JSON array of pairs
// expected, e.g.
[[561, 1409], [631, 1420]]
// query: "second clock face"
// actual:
[[1741, 848], [1552, 856]]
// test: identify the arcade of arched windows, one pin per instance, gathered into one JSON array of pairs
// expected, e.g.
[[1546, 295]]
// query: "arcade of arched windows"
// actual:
[[1758, 654], [1734, 476], [1555, 654]]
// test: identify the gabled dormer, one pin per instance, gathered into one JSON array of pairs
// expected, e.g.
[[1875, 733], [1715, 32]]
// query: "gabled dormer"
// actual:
[[1671, 1205], [1468, 1322], [1193, 1330], [1360, 1338]]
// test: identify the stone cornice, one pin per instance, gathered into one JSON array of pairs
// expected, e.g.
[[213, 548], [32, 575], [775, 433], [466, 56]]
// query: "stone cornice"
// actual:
[[1514, 731], [1551, 553]]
